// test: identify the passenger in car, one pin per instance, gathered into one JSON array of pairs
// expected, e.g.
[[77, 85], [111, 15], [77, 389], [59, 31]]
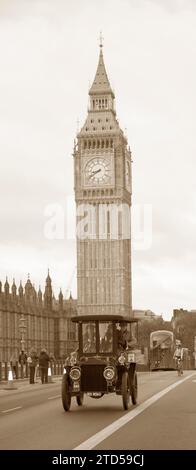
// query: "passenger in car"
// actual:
[[106, 343], [89, 339]]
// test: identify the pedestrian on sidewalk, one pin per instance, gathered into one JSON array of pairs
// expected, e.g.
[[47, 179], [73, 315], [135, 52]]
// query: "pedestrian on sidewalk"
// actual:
[[13, 362], [52, 361], [43, 365], [32, 361], [23, 362]]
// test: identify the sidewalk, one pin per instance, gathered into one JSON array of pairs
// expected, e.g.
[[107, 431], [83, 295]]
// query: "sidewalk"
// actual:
[[20, 383]]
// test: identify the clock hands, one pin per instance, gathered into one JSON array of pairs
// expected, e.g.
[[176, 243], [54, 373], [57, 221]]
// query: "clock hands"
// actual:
[[95, 172]]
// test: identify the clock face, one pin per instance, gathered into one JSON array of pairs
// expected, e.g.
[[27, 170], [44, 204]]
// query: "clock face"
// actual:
[[98, 172], [128, 174]]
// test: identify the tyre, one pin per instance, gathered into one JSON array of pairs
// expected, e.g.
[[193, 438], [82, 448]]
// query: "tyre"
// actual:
[[66, 395], [125, 389], [134, 389], [80, 399]]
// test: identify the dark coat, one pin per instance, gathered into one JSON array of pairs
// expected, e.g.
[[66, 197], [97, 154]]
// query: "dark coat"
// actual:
[[22, 358], [44, 359], [34, 359], [122, 339]]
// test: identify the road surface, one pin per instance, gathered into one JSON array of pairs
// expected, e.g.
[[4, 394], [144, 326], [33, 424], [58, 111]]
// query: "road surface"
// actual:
[[32, 417]]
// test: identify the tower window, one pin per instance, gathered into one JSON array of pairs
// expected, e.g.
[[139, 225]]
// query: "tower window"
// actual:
[[102, 144], [89, 144], [106, 119], [111, 143], [106, 103], [110, 127], [93, 104], [91, 120], [98, 144], [94, 128], [93, 144], [107, 143], [86, 128], [103, 128], [85, 144]]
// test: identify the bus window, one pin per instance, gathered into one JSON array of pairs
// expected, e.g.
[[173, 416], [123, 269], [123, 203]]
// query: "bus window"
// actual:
[[162, 350]]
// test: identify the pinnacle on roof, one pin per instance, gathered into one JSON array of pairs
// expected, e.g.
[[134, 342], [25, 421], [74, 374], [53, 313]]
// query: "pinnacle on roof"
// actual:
[[20, 289], [60, 294], [6, 286], [101, 83], [13, 287], [48, 279], [28, 285]]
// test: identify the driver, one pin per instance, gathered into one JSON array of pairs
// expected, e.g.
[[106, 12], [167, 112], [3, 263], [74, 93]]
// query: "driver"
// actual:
[[122, 335], [124, 338]]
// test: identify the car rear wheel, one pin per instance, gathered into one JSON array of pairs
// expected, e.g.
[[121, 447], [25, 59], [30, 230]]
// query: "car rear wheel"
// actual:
[[134, 389], [125, 390], [80, 399], [66, 395]]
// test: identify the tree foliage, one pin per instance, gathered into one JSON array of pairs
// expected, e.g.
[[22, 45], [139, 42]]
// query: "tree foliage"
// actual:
[[185, 329]]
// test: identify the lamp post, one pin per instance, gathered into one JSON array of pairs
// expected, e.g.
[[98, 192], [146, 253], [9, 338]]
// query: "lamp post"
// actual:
[[22, 329]]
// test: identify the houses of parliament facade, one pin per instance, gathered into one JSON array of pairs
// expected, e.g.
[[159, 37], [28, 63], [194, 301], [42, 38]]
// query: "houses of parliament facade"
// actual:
[[35, 319]]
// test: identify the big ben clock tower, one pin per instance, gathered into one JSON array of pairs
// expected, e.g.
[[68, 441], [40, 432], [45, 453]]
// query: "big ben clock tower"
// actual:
[[102, 166]]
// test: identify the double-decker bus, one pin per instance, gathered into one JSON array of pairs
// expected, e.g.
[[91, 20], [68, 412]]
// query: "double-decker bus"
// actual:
[[162, 345]]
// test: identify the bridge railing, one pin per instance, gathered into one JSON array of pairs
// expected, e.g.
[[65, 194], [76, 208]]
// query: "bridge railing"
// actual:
[[21, 372]]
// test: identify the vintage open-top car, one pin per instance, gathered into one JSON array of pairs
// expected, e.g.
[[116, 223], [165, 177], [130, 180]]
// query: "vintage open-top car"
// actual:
[[104, 361]]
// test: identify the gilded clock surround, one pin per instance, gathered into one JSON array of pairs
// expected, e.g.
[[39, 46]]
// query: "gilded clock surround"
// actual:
[[98, 171]]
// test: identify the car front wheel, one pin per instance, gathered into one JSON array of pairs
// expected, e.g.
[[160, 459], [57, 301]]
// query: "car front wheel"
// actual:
[[80, 399], [125, 390], [66, 395], [134, 389]]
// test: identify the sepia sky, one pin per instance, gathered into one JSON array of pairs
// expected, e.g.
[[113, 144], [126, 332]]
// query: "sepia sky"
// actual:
[[48, 58]]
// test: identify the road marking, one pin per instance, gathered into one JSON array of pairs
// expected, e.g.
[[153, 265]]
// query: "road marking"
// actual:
[[55, 396], [12, 409], [106, 432]]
